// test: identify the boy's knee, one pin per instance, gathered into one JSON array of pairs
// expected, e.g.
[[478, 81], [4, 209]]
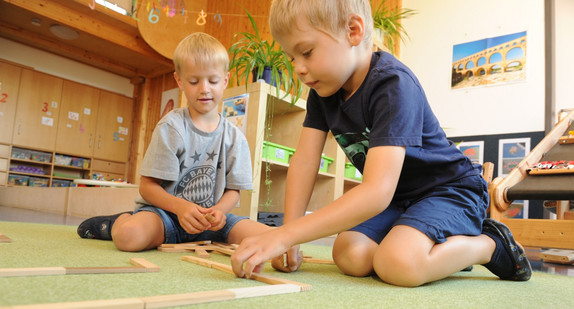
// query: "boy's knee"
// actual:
[[398, 269], [354, 258], [129, 237]]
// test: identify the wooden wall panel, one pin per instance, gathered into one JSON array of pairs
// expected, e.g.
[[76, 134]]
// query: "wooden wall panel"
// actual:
[[234, 18]]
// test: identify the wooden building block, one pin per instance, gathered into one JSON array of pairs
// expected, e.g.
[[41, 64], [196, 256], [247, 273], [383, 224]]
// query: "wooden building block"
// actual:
[[558, 256], [201, 248], [259, 277], [210, 218], [4, 238], [202, 252], [140, 262], [121, 303], [318, 261], [186, 244], [38, 271], [142, 266]]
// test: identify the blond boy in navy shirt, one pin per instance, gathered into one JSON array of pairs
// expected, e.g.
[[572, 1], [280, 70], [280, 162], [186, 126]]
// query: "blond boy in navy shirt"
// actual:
[[419, 214]]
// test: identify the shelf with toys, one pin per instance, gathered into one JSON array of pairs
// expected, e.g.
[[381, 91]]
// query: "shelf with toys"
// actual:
[[272, 126], [38, 168]]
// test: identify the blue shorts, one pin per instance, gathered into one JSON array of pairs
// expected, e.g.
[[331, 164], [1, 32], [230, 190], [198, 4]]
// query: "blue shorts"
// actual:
[[175, 234], [457, 208]]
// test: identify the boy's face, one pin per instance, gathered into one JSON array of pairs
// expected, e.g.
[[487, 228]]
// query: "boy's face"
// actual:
[[323, 62], [203, 86]]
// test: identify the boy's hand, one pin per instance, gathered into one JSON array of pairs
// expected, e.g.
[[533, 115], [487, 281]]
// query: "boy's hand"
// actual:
[[192, 218], [216, 218], [289, 261], [255, 251]]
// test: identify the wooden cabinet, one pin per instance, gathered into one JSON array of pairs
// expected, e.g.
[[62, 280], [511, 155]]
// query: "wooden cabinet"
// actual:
[[43, 113], [78, 119], [37, 111], [9, 85], [4, 161], [113, 134], [109, 170]]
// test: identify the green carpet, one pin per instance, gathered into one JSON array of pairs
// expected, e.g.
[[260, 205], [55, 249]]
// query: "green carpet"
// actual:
[[41, 245]]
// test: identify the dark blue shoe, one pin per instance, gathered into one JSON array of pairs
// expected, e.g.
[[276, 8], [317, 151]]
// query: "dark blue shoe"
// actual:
[[98, 227], [522, 270]]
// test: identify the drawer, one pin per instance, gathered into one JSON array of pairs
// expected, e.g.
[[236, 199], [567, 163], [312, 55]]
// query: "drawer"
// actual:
[[4, 151], [107, 166], [3, 165], [109, 176]]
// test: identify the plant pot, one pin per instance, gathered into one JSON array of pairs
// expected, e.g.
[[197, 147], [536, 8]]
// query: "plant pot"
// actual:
[[266, 76]]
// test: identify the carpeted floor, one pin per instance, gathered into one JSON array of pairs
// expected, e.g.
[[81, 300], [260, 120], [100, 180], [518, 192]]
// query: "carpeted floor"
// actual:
[[44, 245]]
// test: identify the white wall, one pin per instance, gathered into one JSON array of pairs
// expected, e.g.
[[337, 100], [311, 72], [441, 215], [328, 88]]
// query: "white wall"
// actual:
[[440, 24], [64, 68], [564, 54]]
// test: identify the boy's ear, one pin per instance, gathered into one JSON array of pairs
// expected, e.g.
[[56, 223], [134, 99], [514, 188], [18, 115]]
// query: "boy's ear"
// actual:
[[227, 76], [177, 79], [356, 26]]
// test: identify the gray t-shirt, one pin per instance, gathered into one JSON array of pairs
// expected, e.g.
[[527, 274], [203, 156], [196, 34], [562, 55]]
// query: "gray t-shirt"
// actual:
[[196, 165]]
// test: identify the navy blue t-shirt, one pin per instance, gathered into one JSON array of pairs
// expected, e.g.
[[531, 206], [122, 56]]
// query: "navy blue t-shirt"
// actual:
[[390, 108]]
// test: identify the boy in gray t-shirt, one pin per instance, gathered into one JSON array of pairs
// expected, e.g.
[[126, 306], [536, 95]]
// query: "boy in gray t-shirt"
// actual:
[[194, 167]]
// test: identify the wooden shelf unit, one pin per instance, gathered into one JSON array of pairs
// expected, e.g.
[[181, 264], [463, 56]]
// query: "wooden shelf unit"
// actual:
[[54, 172], [285, 130]]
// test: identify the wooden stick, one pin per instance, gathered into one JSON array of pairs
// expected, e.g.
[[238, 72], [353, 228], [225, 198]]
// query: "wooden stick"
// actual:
[[201, 252], [210, 218], [140, 262], [200, 248], [318, 261], [558, 256], [123, 303], [4, 238], [219, 295], [186, 244], [259, 277], [141, 266], [163, 301]]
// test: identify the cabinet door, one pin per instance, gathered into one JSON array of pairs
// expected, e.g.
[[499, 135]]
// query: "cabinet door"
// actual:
[[78, 116], [9, 84], [114, 127], [37, 111]]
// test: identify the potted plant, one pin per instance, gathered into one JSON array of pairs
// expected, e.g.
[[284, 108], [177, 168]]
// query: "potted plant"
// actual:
[[388, 22], [252, 55]]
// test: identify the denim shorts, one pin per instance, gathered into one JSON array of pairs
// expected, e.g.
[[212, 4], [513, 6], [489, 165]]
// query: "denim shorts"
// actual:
[[175, 234], [456, 208]]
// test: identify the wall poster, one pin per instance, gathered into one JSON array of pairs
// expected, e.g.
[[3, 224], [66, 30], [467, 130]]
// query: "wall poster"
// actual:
[[473, 150], [510, 153], [235, 110], [489, 61]]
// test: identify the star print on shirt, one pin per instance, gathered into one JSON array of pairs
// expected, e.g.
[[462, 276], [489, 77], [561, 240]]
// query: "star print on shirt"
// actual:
[[196, 157], [211, 155]]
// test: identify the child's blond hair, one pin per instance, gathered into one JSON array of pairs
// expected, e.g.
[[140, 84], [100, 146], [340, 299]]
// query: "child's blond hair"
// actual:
[[202, 49], [329, 16]]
